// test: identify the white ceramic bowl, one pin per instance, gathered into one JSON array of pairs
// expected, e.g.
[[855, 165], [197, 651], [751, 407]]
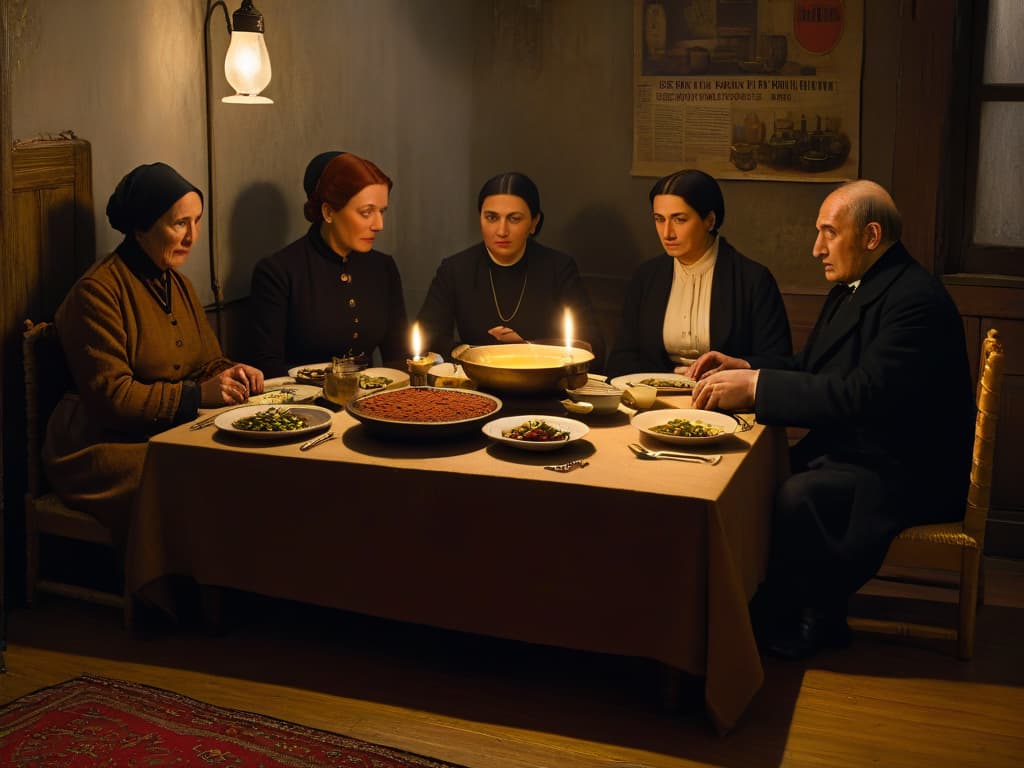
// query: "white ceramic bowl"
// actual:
[[604, 397]]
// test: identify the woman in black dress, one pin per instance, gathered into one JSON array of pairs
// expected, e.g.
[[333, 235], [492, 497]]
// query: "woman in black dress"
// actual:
[[330, 293], [508, 287]]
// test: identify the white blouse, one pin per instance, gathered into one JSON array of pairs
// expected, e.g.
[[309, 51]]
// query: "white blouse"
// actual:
[[687, 328]]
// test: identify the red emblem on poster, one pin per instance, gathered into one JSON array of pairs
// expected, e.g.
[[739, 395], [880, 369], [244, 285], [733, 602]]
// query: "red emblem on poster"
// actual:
[[818, 24]]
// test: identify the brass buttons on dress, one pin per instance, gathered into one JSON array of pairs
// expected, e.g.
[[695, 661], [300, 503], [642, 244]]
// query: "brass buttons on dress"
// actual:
[[346, 277], [179, 343]]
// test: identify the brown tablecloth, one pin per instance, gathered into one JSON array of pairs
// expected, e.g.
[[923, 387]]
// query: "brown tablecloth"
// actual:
[[656, 559]]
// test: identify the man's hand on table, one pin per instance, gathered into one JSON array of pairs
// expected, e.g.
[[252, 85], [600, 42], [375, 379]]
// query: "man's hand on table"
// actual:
[[712, 362], [729, 390]]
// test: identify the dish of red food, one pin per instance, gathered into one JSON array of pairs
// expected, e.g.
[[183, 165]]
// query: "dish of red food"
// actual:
[[423, 412]]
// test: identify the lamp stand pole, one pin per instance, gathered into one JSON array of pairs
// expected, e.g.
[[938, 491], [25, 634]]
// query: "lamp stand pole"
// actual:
[[215, 286]]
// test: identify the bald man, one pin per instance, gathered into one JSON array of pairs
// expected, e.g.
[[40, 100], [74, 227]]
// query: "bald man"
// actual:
[[884, 388]]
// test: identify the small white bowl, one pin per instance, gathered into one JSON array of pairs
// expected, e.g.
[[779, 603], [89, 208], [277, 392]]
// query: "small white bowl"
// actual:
[[604, 397]]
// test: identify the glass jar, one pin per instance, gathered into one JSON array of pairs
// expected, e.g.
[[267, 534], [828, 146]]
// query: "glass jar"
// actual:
[[341, 382]]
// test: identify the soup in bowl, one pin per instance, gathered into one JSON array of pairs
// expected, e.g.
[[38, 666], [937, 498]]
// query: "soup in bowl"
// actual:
[[525, 368]]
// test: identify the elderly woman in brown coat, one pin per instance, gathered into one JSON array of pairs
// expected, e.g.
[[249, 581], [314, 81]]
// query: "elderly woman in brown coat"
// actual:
[[141, 353]]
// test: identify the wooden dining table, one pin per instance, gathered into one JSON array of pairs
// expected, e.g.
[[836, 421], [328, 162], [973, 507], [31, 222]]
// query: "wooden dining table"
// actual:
[[652, 559]]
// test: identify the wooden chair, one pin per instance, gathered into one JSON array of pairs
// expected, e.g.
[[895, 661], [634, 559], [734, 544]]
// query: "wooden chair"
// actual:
[[46, 381], [956, 546]]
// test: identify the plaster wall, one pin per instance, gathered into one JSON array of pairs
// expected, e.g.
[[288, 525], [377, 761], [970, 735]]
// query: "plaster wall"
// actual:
[[441, 95], [553, 98], [389, 80]]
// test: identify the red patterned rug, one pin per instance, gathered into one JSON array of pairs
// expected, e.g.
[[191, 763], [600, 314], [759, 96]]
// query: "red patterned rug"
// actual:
[[94, 721]]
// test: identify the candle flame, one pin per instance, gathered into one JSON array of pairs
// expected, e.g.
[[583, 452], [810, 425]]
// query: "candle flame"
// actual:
[[568, 330], [417, 342]]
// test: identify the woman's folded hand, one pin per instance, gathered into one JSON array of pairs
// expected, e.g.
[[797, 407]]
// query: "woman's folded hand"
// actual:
[[251, 377], [505, 335], [232, 386]]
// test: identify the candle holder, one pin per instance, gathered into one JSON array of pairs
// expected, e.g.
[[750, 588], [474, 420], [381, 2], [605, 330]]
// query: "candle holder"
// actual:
[[418, 367]]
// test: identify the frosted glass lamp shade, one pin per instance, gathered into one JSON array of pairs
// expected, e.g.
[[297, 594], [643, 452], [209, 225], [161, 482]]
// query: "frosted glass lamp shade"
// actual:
[[247, 68]]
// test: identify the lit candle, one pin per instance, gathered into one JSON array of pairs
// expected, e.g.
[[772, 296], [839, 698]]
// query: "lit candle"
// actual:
[[568, 335], [419, 364], [417, 342]]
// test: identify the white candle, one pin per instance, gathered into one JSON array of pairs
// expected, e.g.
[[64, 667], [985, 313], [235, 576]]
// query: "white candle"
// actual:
[[419, 364], [568, 333], [417, 342]]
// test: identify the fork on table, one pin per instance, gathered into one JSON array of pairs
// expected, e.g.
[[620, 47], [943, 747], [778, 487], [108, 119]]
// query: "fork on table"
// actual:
[[208, 421]]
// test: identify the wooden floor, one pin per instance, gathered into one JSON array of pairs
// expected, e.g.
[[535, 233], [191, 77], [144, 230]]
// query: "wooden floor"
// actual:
[[485, 703]]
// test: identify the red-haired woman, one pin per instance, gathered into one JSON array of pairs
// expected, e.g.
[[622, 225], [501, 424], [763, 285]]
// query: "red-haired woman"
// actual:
[[330, 293]]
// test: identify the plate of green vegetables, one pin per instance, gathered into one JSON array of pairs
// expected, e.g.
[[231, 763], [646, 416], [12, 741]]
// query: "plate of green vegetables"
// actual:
[[261, 422]]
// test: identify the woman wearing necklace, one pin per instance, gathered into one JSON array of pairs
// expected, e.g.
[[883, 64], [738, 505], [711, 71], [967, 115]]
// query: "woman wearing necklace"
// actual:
[[508, 288], [330, 293], [140, 351], [700, 294]]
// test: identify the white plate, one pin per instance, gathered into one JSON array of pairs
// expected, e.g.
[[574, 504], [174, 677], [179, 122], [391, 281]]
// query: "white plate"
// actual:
[[494, 428], [649, 419], [686, 385], [317, 420], [293, 372], [277, 394], [398, 378], [277, 381]]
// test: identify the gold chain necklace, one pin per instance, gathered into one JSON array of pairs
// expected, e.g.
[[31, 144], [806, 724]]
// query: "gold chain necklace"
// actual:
[[494, 293]]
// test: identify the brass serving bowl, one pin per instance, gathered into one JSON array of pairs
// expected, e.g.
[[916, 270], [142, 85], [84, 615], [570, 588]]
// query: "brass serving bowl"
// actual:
[[525, 368]]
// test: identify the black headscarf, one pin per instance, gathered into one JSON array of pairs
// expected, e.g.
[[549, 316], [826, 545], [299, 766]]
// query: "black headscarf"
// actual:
[[315, 169], [143, 196]]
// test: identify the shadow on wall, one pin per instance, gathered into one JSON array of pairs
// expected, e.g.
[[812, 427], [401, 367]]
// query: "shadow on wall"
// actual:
[[258, 228], [606, 252]]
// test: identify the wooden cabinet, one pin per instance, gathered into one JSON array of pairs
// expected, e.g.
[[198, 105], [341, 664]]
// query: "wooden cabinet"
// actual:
[[51, 237]]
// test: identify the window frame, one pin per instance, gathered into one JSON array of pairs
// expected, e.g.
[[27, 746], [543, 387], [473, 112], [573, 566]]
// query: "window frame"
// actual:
[[975, 257]]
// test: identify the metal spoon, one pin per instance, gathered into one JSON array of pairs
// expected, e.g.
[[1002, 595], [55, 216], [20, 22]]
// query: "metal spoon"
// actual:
[[644, 453]]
